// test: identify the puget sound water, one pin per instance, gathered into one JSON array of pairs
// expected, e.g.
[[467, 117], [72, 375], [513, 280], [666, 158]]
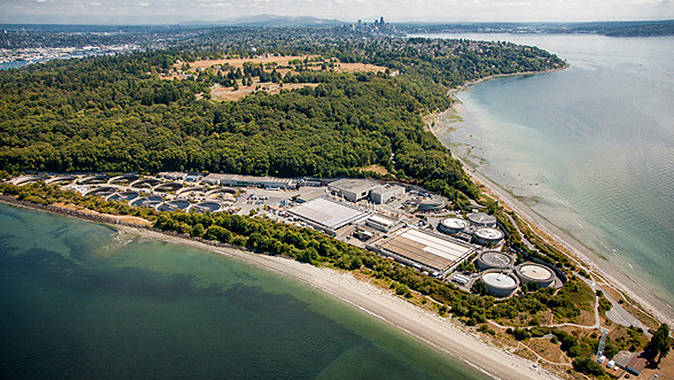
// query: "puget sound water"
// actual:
[[590, 148], [81, 300]]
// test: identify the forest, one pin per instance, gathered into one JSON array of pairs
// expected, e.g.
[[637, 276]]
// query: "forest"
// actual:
[[114, 113]]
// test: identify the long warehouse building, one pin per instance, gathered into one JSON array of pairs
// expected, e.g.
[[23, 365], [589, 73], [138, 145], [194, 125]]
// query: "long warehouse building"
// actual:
[[326, 215], [423, 250]]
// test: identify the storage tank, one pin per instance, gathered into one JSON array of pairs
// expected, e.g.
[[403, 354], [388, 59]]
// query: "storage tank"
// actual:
[[540, 275], [494, 260], [432, 204], [499, 283], [488, 236], [452, 225], [480, 219]]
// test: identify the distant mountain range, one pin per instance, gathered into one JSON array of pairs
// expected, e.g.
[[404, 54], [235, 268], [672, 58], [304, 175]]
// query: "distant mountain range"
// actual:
[[268, 20]]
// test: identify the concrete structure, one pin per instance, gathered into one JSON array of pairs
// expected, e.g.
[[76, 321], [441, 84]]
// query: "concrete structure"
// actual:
[[460, 279], [380, 223], [480, 219], [173, 205], [452, 225], [623, 358], [152, 201], [145, 183], [326, 215], [637, 364], [494, 260], [352, 189], [499, 283], [306, 196], [101, 191], [382, 194], [435, 203], [250, 181], [206, 206], [62, 179], [192, 189], [488, 236], [538, 274], [423, 250], [169, 186], [173, 176], [125, 195], [219, 190], [94, 179], [26, 179], [130, 177]]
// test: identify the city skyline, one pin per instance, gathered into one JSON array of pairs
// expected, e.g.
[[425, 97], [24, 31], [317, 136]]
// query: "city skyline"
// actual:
[[174, 11]]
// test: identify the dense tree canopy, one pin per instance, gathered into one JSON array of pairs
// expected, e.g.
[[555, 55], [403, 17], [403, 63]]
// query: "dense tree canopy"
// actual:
[[116, 114]]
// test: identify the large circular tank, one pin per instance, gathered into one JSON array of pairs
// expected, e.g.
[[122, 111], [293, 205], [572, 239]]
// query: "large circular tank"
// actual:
[[540, 275], [452, 225], [206, 206], [480, 219], [151, 201], [499, 283], [486, 235], [431, 204], [494, 260]]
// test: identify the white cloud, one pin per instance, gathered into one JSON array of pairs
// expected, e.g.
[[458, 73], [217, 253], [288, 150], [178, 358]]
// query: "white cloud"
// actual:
[[143, 4]]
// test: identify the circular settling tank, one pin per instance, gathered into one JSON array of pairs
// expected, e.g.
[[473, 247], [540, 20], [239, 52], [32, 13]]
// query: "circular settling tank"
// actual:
[[481, 219], [499, 283], [486, 235], [453, 225], [431, 204], [494, 260], [541, 275]]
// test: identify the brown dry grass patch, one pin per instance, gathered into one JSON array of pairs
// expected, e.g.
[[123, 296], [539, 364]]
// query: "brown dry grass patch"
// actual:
[[375, 168], [224, 93]]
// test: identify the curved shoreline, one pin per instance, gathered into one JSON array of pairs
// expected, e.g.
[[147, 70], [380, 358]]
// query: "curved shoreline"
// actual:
[[648, 301], [441, 334]]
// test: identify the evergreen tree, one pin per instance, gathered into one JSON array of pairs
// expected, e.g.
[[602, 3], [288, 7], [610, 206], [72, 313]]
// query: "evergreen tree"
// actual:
[[659, 345]]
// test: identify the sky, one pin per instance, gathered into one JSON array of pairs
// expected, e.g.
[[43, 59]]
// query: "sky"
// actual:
[[174, 11]]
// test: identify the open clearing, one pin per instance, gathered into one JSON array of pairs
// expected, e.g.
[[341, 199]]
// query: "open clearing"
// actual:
[[287, 63], [283, 65], [225, 93]]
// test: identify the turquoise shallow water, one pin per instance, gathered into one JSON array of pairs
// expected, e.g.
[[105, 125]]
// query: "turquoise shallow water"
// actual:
[[79, 300], [591, 148]]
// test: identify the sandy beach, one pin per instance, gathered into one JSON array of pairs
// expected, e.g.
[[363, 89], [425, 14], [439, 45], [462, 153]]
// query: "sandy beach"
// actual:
[[425, 326]]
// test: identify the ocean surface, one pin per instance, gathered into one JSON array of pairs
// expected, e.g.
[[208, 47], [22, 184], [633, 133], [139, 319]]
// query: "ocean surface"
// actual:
[[590, 148], [81, 300]]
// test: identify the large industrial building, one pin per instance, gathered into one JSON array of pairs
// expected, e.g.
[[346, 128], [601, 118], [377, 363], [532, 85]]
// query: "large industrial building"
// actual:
[[423, 250], [247, 180], [384, 193], [326, 215], [380, 223], [352, 189]]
